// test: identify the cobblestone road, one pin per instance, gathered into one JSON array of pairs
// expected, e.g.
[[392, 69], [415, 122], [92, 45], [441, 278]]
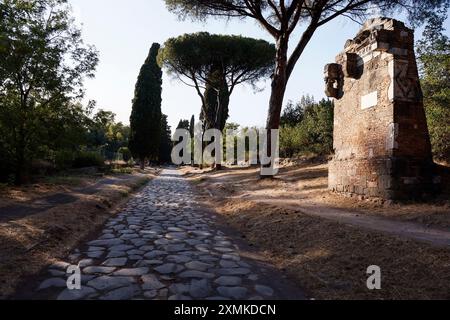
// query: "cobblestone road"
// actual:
[[160, 247]]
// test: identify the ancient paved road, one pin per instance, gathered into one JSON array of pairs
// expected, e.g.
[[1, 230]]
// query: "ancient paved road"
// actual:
[[161, 247]]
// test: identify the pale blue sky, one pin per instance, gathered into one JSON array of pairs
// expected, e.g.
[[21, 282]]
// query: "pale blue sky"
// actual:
[[123, 32]]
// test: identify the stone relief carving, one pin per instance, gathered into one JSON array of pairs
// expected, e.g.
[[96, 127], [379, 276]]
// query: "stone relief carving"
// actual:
[[334, 80], [406, 87]]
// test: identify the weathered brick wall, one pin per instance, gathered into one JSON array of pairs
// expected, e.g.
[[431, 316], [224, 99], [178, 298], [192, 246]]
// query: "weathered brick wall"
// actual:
[[381, 140]]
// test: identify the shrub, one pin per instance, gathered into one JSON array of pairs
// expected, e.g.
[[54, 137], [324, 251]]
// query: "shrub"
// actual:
[[88, 159], [42, 167], [312, 134], [126, 154], [64, 159], [438, 123], [6, 163]]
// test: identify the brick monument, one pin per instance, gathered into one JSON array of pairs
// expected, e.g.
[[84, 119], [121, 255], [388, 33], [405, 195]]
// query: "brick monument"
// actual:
[[381, 140]]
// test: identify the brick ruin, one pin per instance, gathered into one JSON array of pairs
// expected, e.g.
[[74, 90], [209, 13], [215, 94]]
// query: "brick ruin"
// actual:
[[381, 140]]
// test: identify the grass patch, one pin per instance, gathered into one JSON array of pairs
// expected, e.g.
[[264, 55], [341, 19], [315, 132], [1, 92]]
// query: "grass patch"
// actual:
[[123, 171]]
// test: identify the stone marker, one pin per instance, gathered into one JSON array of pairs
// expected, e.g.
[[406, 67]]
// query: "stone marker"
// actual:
[[381, 140]]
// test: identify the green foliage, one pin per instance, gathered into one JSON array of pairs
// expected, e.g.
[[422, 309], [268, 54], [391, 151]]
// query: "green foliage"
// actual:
[[146, 115], [231, 126], [312, 133], [293, 114], [184, 124], [88, 159], [246, 60], [76, 130], [64, 159], [217, 99], [126, 154], [281, 19], [99, 128], [123, 171], [43, 64], [216, 64], [434, 57], [271, 14]]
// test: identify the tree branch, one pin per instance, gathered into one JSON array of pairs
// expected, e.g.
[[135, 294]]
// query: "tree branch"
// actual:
[[350, 6]]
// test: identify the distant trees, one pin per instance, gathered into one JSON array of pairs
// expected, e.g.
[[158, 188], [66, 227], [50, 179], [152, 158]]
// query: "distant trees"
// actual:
[[43, 64], [106, 135], [293, 114], [214, 65], [146, 116], [281, 19], [189, 126], [307, 127], [434, 60], [99, 127], [184, 124]]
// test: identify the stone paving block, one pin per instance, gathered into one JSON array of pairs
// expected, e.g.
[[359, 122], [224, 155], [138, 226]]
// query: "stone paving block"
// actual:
[[159, 247]]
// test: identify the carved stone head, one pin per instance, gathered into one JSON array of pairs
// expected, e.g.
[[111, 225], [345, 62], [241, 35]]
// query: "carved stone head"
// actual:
[[334, 80]]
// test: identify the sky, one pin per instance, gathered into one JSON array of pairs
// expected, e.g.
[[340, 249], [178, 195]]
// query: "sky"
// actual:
[[123, 32]]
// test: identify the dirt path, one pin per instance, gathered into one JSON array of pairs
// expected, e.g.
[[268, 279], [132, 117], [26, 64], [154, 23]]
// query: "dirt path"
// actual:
[[409, 230], [328, 255], [304, 189]]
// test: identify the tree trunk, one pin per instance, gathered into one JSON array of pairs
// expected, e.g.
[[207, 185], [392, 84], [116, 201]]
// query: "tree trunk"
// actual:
[[142, 163], [21, 174], [21, 168], [279, 82]]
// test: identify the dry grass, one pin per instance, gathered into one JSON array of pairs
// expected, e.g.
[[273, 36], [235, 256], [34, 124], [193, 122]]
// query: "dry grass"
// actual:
[[307, 183], [28, 244], [330, 260], [327, 258]]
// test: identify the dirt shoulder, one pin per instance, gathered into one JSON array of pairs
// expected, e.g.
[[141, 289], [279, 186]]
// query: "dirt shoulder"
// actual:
[[43, 222], [306, 184], [327, 258]]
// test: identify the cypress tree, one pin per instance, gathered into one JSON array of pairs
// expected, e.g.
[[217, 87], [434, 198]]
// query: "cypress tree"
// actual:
[[192, 134], [192, 127], [146, 116]]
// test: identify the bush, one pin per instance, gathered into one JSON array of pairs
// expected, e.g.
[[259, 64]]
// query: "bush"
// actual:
[[64, 159], [42, 167], [126, 154], [314, 132], [438, 123], [6, 169], [6, 163], [88, 159]]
